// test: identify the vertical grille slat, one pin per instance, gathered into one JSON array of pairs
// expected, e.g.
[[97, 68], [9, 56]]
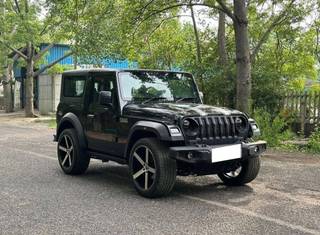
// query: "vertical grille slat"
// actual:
[[209, 128], [221, 125], [214, 127], [202, 128], [233, 126], [227, 127]]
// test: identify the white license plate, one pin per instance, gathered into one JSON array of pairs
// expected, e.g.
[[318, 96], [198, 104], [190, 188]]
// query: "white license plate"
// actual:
[[225, 153]]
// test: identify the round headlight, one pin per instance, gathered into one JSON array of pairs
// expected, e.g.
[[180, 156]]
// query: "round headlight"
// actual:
[[241, 124], [190, 127], [186, 123]]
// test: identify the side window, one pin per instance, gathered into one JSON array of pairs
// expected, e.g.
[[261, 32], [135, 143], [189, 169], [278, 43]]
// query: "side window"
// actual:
[[103, 83], [73, 86]]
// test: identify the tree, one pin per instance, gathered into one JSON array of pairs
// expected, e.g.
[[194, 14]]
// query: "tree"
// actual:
[[151, 32], [147, 11], [26, 32]]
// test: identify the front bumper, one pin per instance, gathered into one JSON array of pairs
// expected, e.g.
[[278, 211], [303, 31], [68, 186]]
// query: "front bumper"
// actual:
[[195, 154]]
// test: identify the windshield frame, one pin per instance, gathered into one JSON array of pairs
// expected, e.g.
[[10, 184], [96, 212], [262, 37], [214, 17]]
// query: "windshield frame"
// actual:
[[197, 97]]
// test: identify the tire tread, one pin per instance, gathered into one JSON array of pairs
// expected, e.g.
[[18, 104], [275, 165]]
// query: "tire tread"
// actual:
[[81, 157], [166, 169]]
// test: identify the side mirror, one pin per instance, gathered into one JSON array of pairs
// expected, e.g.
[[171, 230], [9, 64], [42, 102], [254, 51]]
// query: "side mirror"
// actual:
[[105, 98]]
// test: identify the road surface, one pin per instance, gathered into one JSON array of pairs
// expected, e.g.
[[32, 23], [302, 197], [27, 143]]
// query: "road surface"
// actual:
[[37, 198]]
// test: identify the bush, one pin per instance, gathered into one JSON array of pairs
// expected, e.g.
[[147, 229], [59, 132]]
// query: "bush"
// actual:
[[273, 129], [314, 142]]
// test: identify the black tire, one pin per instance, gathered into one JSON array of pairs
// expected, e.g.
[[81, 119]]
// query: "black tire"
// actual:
[[159, 183], [249, 171], [78, 156]]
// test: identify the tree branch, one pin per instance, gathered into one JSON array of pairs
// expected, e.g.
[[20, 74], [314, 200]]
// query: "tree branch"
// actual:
[[14, 50], [17, 6], [143, 9], [164, 20], [226, 10], [153, 13], [40, 71], [274, 24], [42, 52]]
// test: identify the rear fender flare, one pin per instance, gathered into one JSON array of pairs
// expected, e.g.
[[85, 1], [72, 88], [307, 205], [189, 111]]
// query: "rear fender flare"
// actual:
[[70, 120]]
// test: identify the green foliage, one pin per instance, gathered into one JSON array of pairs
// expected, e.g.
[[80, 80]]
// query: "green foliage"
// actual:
[[314, 142], [58, 69], [273, 129], [140, 31], [283, 65]]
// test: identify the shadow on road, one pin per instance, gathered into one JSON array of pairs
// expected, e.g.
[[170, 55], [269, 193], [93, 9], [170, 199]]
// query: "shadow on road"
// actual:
[[117, 177]]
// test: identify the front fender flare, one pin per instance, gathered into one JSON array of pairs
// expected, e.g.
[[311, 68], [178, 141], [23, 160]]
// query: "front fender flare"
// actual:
[[160, 130]]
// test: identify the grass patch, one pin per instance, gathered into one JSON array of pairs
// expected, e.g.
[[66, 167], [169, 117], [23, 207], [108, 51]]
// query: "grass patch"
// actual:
[[276, 131], [50, 122]]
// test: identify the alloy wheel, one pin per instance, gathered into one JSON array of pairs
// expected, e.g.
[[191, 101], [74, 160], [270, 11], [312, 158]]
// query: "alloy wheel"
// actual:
[[65, 148], [233, 174], [143, 167]]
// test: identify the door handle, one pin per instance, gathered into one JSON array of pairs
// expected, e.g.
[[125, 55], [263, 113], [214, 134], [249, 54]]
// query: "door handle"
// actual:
[[90, 116]]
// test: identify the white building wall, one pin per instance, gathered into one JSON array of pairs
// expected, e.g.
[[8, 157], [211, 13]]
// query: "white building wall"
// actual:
[[49, 93], [57, 89], [17, 102]]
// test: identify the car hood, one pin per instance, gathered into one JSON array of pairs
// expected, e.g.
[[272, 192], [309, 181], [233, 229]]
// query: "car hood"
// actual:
[[173, 111]]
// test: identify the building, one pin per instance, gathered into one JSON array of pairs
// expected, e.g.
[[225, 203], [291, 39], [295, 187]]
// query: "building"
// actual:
[[47, 85]]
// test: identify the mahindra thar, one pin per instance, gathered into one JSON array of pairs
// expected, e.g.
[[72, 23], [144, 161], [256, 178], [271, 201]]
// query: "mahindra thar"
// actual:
[[154, 121]]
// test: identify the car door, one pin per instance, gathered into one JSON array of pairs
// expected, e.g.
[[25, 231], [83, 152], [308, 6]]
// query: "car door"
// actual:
[[102, 120]]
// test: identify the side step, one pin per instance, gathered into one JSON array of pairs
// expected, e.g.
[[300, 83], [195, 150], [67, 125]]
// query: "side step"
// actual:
[[105, 157]]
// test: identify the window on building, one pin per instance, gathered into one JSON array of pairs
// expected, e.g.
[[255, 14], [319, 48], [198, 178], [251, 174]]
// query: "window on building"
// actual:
[[73, 86]]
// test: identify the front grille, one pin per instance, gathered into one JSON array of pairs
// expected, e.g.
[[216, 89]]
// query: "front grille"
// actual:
[[215, 130]]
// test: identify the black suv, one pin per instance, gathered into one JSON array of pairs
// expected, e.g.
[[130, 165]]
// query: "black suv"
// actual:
[[155, 122]]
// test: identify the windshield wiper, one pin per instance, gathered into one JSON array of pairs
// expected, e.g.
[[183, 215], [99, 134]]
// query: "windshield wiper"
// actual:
[[153, 98], [185, 98]]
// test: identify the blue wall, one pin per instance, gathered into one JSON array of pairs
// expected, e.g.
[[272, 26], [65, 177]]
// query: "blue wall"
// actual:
[[59, 50]]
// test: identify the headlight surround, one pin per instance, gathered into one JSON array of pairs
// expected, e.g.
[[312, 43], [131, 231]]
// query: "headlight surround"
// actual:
[[241, 125], [254, 129], [190, 127]]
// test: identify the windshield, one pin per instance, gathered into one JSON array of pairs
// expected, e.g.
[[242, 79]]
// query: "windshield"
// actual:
[[158, 86]]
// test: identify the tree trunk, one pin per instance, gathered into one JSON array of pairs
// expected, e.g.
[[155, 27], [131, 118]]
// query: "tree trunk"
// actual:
[[196, 34], [198, 48], [222, 40], [8, 94], [29, 107], [243, 63]]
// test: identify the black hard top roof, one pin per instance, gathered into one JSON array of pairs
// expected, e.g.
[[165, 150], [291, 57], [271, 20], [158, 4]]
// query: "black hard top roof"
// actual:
[[104, 70]]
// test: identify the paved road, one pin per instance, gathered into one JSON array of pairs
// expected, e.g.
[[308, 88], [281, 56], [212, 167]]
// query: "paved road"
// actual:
[[37, 198]]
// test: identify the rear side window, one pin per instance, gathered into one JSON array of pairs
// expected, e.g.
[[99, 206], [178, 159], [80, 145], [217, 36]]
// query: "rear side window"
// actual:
[[73, 86]]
